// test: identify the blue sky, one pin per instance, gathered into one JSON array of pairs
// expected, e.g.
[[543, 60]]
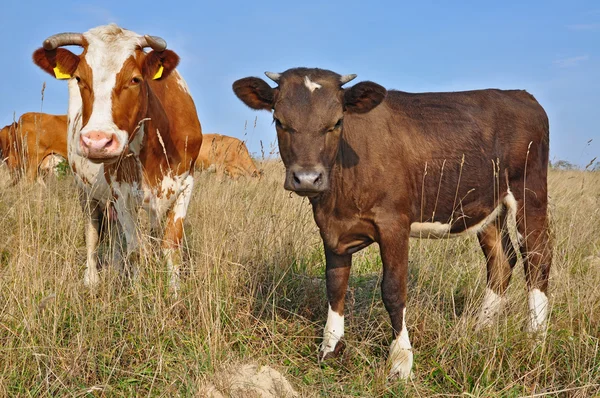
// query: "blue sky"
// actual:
[[550, 48]]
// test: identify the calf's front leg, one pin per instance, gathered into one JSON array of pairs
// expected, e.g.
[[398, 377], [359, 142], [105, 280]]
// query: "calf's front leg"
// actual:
[[393, 244], [337, 274]]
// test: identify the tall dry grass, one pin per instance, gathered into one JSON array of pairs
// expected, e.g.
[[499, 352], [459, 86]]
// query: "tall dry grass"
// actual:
[[253, 290]]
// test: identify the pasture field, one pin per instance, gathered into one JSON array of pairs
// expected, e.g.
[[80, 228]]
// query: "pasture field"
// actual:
[[254, 292]]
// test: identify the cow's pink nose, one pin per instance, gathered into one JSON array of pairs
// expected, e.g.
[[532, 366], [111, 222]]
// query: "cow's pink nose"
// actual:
[[97, 140]]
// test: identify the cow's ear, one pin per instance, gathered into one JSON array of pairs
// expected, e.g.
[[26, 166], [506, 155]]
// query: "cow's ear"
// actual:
[[159, 64], [363, 97], [59, 63], [255, 93]]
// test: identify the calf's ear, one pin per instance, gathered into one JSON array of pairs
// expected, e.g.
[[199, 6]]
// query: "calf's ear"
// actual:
[[363, 97], [159, 64], [255, 93], [59, 63]]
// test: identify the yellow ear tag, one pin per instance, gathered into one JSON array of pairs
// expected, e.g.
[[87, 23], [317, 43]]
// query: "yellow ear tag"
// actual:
[[60, 75], [158, 74]]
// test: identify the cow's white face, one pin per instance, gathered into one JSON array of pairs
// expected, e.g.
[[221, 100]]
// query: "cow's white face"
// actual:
[[100, 138], [108, 89]]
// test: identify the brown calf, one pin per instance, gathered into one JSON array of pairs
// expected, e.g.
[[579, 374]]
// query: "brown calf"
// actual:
[[382, 166], [228, 155], [32, 145]]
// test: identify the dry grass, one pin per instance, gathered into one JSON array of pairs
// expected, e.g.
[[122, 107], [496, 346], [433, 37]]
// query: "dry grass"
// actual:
[[254, 291]]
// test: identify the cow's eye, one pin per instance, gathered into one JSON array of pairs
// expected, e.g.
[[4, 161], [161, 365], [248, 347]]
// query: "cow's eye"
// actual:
[[277, 123], [78, 79], [136, 80]]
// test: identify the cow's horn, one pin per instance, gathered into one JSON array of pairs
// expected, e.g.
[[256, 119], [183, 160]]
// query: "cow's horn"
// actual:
[[63, 39], [273, 76], [154, 42]]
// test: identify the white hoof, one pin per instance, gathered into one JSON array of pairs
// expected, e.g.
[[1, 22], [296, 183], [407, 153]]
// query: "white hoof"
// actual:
[[490, 309], [401, 355], [334, 331], [538, 311], [402, 362], [91, 278]]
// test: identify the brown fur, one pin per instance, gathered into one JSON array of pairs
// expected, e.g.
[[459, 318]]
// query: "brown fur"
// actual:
[[402, 158], [25, 144], [228, 154]]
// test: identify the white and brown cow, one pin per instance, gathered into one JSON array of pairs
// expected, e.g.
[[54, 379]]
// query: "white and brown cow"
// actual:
[[133, 135]]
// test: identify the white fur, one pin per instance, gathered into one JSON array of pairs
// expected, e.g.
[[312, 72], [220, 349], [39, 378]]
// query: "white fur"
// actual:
[[538, 310], [106, 58], [182, 83], [334, 331], [312, 86], [90, 277], [490, 308], [438, 230], [401, 355]]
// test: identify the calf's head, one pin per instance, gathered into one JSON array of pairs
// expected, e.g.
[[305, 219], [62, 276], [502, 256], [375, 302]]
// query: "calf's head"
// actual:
[[108, 84], [308, 111]]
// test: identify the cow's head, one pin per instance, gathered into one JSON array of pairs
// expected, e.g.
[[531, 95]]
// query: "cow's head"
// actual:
[[308, 110], [108, 84]]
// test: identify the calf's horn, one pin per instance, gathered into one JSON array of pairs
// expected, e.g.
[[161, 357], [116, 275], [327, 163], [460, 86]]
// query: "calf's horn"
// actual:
[[347, 78], [273, 76], [63, 39]]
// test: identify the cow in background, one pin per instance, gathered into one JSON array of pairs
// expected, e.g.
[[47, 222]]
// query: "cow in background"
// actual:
[[133, 136], [35, 145], [228, 155]]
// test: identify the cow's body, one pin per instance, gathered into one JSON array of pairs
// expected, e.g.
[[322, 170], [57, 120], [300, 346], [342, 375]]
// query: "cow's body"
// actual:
[[227, 155], [33, 146], [130, 149], [422, 165]]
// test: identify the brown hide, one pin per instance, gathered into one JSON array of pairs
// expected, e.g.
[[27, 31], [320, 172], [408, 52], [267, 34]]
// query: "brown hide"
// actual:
[[380, 166], [227, 154]]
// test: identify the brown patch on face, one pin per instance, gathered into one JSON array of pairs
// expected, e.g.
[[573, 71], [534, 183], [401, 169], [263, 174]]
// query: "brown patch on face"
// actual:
[[85, 79], [129, 96]]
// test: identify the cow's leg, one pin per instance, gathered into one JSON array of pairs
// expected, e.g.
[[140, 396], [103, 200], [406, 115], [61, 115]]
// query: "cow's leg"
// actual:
[[110, 235], [532, 225], [337, 274], [125, 210], [501, 259], [173, 233], [92, 214], [394, 255]]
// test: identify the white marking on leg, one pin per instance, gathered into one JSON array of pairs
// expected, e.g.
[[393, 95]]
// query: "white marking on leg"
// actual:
[[90, 277], [511, 205], [490, 308], [401, 355], [173, 254], [334, 331], [538, 311], [312, 86]]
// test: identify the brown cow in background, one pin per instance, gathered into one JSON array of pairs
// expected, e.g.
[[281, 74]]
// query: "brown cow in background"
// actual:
[[228, 155], [35, 145]]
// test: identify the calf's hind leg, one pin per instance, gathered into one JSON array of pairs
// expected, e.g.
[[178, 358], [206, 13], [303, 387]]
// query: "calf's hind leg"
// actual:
[[501, 259]]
